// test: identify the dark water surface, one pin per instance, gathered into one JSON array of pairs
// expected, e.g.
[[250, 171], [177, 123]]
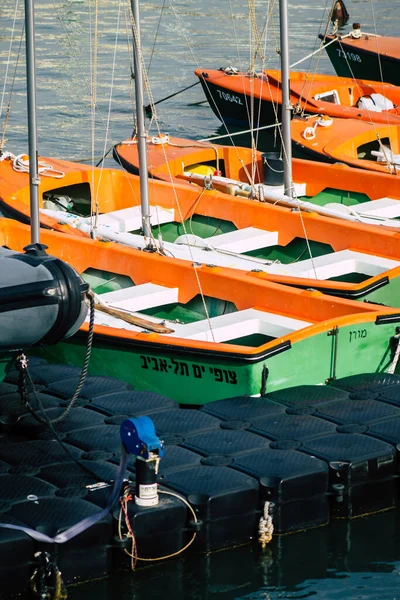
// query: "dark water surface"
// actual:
[[358, 560]]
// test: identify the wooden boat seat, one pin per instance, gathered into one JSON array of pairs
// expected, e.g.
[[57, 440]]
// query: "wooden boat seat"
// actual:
[[130, 219], [343, 262], [139, 297], [244, 240]]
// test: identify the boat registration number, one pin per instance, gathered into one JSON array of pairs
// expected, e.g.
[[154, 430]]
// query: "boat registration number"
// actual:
[[185, 369], [230, 97], [348, 55]]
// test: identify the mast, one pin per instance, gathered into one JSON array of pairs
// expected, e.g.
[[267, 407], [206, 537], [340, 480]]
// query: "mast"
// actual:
[[32, 122], [141, 129], [286, 106]]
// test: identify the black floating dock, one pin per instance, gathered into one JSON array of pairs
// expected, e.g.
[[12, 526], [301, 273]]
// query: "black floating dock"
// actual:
[[315, 452]]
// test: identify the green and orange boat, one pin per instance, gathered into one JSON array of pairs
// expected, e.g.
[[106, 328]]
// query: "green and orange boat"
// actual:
[[345, 258], [198, 333]]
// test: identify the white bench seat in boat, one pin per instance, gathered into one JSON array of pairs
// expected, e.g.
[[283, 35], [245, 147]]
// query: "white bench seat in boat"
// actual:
[[243, 240], [140, 297], [241, 323], [130, 219], [382, 207], [225, 327], [343, 262]]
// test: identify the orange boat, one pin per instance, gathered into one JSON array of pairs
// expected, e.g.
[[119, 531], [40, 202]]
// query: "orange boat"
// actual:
[[360, 54], [199, 333], [239, 98], [206, 226], [240, 171], [355, 143]]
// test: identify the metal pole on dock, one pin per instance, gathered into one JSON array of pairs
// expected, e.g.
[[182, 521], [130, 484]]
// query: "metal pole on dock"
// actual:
[[141, 129], [32, 122], [286, 106]]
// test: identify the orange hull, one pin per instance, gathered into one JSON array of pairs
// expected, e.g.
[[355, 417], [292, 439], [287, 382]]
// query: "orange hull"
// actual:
[[245, 290], [347, 141], [169, 161], [237, 97], [307, 337], [114, 190]]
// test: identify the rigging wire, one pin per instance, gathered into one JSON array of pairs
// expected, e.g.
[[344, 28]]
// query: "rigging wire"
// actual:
[[379, 55], [250, 176], [149, 93], [129, 41], [391, 167], [8, 57], [94, 206], [3, 137], [156, 36], [101, 163], [310, 74]]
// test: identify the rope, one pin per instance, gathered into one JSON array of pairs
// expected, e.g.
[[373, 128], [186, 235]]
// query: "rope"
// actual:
[[371, 121], [266, 526], [26, 385], [24, 377], [21, 165], [250, 176], [95, 192], [148, 107], [46, 580], [155, 38], [109, 101], [71, 44], [231, 135], [283, 149], [323, 46], [152, 104], [127, 497], [379, 54]]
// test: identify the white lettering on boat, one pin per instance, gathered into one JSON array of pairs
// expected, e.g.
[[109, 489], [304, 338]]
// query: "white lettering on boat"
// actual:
[[348, 55], [229, 97]]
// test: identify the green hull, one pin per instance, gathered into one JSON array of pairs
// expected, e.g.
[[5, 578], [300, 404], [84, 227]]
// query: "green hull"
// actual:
[[356, 62], [201, 378], [385, 291]]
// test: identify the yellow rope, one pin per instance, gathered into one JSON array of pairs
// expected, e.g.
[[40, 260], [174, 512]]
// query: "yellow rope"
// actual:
[[133, 555]]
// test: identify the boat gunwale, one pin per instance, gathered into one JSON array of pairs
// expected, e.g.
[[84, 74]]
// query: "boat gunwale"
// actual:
[[352, 43], [237, 353]]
